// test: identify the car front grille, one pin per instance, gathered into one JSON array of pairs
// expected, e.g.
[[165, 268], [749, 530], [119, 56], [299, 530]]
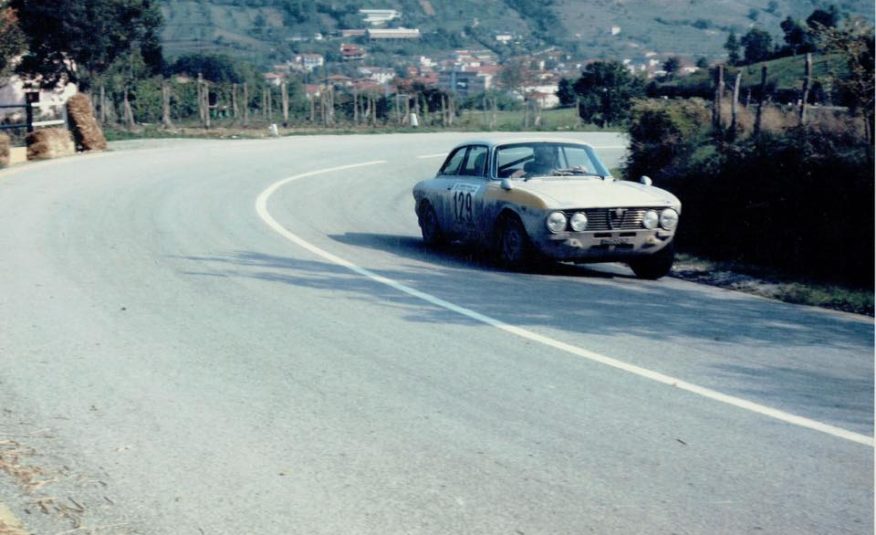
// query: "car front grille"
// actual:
[[606, 219]]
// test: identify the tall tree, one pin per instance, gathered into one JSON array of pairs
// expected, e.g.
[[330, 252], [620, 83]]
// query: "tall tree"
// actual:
[[758, 45], [606, 90], [77, 40], [732, 47]]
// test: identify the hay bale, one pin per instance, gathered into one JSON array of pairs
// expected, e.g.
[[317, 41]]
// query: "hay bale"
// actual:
[[5, 149], [48, 143], [86, 130]]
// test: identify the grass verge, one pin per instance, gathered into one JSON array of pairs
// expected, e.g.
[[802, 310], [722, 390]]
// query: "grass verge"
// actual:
[[773, 284]]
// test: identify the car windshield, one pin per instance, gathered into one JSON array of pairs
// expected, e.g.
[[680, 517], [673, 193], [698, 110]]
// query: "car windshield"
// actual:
[[527, 160]]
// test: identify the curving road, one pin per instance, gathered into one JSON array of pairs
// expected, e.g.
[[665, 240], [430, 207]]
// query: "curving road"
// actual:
[[240, 337]]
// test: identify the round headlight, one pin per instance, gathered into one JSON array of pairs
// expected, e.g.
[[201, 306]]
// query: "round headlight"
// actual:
[[650, 220], [556, 222], [578, 221], [668, 219]]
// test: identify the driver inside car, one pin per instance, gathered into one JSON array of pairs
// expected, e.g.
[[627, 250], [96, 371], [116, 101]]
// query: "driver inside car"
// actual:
[[543, 162]]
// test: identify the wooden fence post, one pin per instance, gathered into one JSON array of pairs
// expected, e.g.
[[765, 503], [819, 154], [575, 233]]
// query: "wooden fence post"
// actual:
[[734, 105], [807, 83], [103, 114], [245, 105], [284, 96], [719, 93], [165, 105], [760, 100], [234, 108]]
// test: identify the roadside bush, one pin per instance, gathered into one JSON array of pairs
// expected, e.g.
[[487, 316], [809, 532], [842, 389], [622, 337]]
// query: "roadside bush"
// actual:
[[800, 200]]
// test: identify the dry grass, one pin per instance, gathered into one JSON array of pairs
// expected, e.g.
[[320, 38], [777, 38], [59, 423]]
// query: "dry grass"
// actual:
[[86, 130], [778, 118], [49, 143], [12, 463]]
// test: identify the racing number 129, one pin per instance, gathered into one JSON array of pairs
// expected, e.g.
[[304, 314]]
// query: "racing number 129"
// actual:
[[462, 211]]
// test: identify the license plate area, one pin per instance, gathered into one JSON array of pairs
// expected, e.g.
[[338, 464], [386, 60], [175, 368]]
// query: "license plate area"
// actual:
[[616, 241]]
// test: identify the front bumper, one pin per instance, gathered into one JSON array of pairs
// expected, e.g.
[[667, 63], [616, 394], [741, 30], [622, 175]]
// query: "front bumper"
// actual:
[[609, 246]]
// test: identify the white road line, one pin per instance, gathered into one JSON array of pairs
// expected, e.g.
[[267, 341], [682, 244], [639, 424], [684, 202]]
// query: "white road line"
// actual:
[[430, 156], [262, 210]]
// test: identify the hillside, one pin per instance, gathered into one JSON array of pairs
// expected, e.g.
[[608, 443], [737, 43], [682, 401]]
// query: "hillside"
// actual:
[[267, 31], [784, 78]]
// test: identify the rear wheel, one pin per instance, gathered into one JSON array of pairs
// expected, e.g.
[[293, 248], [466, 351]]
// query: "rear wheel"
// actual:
[[429, 226], [654, 266], [513, 247]]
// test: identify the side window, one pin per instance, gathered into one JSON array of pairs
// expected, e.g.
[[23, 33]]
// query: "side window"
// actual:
[[476, 162], [453, 163]]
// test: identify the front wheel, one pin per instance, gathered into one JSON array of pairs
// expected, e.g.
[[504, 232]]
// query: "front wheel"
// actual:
[[654, 266], [514, 250]]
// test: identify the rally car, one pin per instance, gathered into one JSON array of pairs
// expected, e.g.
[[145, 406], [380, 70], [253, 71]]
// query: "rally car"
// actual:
[[535, 199]]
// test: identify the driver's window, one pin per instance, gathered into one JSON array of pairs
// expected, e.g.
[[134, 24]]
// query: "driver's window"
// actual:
[[453, 163]]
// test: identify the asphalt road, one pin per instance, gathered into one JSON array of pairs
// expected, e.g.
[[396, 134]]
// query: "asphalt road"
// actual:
[[189, 343]]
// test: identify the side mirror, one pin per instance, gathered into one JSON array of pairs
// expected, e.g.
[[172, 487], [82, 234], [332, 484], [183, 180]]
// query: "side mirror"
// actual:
[[646, 180], [506, 184]]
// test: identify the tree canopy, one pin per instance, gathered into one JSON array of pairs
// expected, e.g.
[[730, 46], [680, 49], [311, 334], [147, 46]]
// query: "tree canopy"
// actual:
[[11, 39], [77, 40], [606, 89]]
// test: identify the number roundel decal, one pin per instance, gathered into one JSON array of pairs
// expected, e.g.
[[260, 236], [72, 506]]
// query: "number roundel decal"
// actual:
[[462, 203]]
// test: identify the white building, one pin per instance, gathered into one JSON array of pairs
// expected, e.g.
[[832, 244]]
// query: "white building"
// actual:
[[379, 17], [393, 33]]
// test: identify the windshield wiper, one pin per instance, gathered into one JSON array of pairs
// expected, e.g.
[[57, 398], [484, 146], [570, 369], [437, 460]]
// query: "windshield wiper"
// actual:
[[574, 171]]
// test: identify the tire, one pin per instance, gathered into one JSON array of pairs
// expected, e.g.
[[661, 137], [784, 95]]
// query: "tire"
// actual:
[[654, 266], [513, 248], [429, 226]]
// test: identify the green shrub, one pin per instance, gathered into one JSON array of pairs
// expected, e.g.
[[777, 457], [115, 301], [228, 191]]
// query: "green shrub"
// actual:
[[800, 200]]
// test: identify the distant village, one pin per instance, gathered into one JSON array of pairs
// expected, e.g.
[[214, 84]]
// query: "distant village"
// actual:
[[464, 73]]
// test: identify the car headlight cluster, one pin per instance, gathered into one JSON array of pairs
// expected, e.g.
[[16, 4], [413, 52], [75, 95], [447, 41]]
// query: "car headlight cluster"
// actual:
[[556, 222], [667, 219], [578, 221]]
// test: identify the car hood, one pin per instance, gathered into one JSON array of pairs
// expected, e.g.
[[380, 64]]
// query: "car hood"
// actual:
[[596, 193]]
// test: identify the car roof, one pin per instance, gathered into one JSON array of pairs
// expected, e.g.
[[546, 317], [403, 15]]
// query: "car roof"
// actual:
[[495, 142]]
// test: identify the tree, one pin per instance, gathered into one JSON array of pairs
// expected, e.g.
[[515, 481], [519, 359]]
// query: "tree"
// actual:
[[76, 40], [672, 65], [828, 18], [732, 47], [606, 90], [855, 42], [758, 45], [11, 40], [566, 92], [213, 67], [515, 74], [702, 63], [797, 37]]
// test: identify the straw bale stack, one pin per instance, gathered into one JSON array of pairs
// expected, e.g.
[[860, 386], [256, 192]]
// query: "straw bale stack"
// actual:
[[48, 143], [86, 130], [5, 145]]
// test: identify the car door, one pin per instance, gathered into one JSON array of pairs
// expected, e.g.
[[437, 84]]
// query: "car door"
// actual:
[[444, 180], [466, 193]]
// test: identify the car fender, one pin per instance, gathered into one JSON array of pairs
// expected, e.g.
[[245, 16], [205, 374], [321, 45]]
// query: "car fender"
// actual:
[[527, 206]]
